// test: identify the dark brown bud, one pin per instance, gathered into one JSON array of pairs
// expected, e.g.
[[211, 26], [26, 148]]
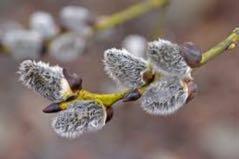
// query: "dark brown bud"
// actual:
[[91, 20], [44, 48], [52, 108], [74, 80], [192, 90], [2, 49], [191, 53], [148, 76], [63, 29], [110, 113], [132, 95]]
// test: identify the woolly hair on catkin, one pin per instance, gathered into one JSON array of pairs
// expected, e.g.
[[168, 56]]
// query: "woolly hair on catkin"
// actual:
[[167, 58], [81, 117], [125, 68], [67, 47], [44, 24], [165, 96], [23, 44], [135, 44], [46, 80], [76, 19]]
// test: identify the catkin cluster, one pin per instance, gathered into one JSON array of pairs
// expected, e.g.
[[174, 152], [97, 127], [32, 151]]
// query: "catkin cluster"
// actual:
[[165, 72], [77, 116], [65, 40], [162, 80]]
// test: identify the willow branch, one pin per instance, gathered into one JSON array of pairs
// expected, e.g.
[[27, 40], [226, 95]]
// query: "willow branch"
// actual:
[[129, 13], [115, 19], [229, 43]]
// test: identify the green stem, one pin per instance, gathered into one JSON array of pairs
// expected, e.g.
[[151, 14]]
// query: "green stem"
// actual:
[[229, 43], [129, 13], [107, 99]]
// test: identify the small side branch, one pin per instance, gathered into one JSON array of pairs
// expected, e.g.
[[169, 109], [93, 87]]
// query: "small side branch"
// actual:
[[130, 13], [229, 43]]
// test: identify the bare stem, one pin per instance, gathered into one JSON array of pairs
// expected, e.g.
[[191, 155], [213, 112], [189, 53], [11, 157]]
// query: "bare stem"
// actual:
[[229, 43], [129, 13]]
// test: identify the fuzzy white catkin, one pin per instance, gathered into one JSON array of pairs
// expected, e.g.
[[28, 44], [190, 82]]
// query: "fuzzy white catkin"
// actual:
[[165, 96], [7, 26], [46, 80], [167, 58], [124, 68], [135, 44], [23, 44], [81, 117], [76, 18], [44, 23], [67, 47]]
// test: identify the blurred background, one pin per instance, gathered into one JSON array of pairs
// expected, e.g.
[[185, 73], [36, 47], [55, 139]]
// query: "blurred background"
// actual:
[[205, 128]]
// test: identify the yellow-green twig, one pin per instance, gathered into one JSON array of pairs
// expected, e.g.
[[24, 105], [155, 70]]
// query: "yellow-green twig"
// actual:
[[118, 18], [109, 99], [106, 99], [229, 43], [129, 13]]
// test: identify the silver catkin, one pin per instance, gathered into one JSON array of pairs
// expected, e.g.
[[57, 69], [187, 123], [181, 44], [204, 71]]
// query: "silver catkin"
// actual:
[[76, 19], [23, 44], [81, 117], [165, 96], [135, 44], [125, 68], [167, 58], [67, 47], [46, 80], [43, 23]]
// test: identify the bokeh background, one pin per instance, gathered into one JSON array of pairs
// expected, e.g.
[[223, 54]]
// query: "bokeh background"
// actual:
[[205, 128]]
